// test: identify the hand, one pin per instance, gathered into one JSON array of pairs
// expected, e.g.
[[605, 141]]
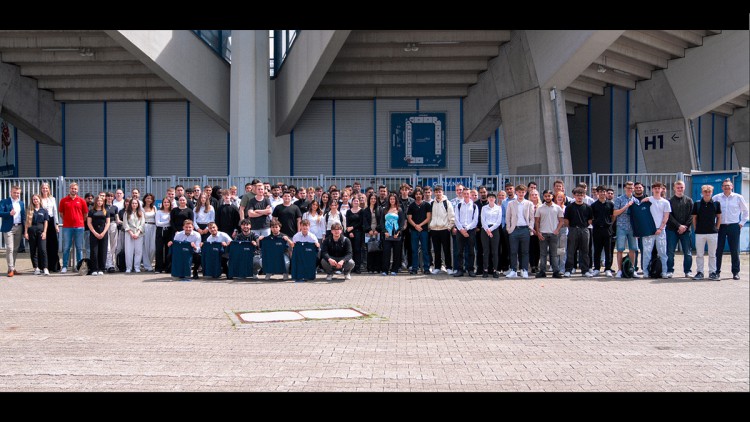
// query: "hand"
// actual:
[[340, 264], [12, 211], [531, 231], [224, 244], [540, 236], [57, 228], [332, 262], [44, 235], [644, 199], [395, 236], [418, 228], [464, 233], [455, 231], [169, 243], [26, 236], [351, 235], [658, 231]]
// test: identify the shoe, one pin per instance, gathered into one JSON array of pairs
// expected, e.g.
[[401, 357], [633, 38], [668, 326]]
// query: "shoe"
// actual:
[[111, 270], [431, 269], [137, 270], [669, 275], [619, 274], [541, 274], [384, 273], [511, 274], [46, 271], [36, 271], [435, 271], [665, 275], [485, 275], [285, 277], [95, 273], [567, 274], [255, 277], [636, 275], [496, 274], [524, 274], [556, 275], [588, 274], [329, 277], [573, 271], [426, 271], [608, 273], [595, 273], [10, 273], [736, 277], [458, 273], [472, 274], [689, 274], [713, 276], [412, 271], [64, 270], [698, 276], [195, 274], [16, 272], [718, 274], [348, 276], [268, 276], [394, 273], [442, 268], [127, 271], [507, 273]]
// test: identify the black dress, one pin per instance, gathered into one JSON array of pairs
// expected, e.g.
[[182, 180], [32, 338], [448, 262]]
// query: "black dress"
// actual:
[[356, 236], [374, 259]]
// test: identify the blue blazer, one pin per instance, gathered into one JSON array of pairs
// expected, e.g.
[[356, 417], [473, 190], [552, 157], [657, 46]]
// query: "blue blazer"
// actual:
[[6, 206]]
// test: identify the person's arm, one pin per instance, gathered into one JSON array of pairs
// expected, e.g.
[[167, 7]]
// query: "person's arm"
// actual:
[[106, 227], [663, 224], [89, 224], [288, 241], [744, 213]]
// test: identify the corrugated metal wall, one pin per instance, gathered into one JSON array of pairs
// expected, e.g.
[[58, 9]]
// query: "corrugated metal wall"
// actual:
[[354, 136], [208, 145], [126, 138], [168, 139], [84, 139], [313, 136]]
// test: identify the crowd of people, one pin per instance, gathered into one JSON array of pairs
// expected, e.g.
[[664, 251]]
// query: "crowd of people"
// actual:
[[516, 232]]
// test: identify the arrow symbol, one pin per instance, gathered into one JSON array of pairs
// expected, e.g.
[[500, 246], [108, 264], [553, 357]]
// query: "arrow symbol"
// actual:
[[675, 137]]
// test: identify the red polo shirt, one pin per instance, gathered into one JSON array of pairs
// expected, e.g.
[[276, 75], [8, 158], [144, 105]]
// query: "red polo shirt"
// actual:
[[73, 211]]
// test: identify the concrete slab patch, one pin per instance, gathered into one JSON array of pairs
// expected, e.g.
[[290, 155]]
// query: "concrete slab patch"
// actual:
[[245, 318], [270, 316], [331, 313]]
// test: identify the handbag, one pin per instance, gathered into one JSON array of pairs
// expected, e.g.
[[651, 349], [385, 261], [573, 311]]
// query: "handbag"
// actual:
[[374, 245]]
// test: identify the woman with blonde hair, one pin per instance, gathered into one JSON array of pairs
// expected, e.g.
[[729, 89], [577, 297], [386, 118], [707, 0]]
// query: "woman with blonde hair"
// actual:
[[49, 203]]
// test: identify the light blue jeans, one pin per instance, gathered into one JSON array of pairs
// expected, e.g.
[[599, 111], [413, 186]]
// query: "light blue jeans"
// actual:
[[68, 236]]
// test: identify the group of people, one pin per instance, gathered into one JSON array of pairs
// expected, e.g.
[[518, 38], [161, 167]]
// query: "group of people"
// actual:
[[512, 233]]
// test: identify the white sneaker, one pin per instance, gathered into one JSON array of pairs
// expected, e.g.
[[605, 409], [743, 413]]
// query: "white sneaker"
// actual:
[[665, 275], [637, 275], [588, 274], [567, 274], [64, 270], [595, 273], [507, 273], [689, 274], [36, 271], [619, 274], [452, 271], [348, 276], [511, 274], [608, 273], [434, 271], [329, 277], [442, 268], [46, 271], [525, 274], [127, 271], [101, 272], [137, 270], [669, 275]]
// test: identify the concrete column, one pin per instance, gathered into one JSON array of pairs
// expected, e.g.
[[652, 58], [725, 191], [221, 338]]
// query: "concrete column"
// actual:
[[249, 104], [738, 127]]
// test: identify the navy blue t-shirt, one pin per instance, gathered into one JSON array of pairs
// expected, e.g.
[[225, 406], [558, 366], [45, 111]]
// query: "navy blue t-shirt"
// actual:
[[272, 250], [241, 259], [182, 258], [211, 259], [641, 219], [304, 261]]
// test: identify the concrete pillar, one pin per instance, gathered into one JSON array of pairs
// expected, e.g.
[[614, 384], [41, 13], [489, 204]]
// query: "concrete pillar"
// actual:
[[33, 111], [738, 126], [249, 104], [656, 114]]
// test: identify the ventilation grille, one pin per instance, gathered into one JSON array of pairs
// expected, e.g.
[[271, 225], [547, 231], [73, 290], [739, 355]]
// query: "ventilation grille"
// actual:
[[478, 156]]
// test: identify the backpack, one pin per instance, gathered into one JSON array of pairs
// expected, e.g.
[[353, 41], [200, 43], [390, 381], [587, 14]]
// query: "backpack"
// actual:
[[628, 271], [654, 268], [84, 267]]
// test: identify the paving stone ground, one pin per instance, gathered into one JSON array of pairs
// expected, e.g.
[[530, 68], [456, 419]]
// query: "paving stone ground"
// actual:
[[425, 333]]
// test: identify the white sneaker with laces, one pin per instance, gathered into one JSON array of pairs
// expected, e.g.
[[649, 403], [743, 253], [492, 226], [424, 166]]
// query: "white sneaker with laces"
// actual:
[[637, 275], [619, 274], [507, 273], [567, 274], [37, 271], [588, 274], [434, 271], [595, 273], [511, 274], [525, 274], [442, 268], [665, 275], [608, 273], [46, 271], [64, 270], [669, 275]]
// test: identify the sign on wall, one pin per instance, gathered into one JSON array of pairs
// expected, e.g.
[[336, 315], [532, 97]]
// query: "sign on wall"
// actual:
[[418, 140], [665, 145], [8, 147]]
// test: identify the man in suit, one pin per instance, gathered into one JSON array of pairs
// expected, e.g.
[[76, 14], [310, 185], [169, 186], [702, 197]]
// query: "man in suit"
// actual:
[[13, 213]]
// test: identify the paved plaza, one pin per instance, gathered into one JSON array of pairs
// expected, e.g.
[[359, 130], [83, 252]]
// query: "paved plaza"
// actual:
[[423, 333]]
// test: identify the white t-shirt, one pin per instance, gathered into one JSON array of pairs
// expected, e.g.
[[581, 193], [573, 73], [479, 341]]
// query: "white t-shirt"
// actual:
[[299, 237], [220, 237], [658, 208]]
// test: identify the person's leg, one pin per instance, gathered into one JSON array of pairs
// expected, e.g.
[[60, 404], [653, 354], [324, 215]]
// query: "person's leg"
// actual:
[[424, 241], [687, 251], [129, 251], [159, 249], [436, 237], [357, 249], [544, 250], [387, 247], [646, 251], [94, 253], [585, 253], [607, 251], [495, 249], [671, 245], [733, 234], [504, 250], [397, 248], [414, 242], [720, 241], [598, 247], [138, 252], [525, 245], [460, 263], [78, 236], [479, 249], [572, 245], [112, 246], [348, 267], [486, 248], [514, 239], [67, 241], [34, 237], [456, 247], [700, 245], [554, 261], [712, 240], [534, 247], [661, 249]]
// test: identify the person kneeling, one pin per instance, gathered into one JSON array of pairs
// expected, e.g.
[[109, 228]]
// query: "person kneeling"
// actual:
[[215, 251], [336, 254], [187, 235], [274, 257]]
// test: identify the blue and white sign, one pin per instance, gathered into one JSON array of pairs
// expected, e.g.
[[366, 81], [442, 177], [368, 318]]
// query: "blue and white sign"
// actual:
[[418, 140]]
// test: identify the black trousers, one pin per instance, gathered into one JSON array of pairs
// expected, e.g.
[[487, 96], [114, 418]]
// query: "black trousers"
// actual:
[[407, 247], [441, 239], [602, 241], [53, 249], [534, 252], [504, 250], [479, 248], [395, 246], [37, 246], [357, 249], [164, 235], [98, 252]]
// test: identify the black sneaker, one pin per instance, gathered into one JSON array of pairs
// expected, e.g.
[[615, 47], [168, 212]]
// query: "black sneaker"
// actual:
[[736, 277], [459, 274], [472, 274], [485, 275], [557, 275], [496, 274], [541, 274], [698, 276], [713, 276]]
